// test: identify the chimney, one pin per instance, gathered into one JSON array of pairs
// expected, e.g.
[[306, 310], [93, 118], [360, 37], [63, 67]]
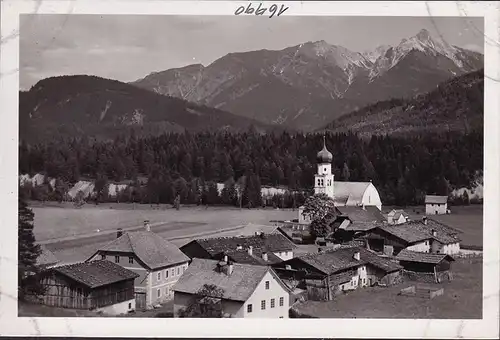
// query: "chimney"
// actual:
[[225, 259], [357, 256], [288, 267], [434, 233], [425, 220], [119, 232], [250, 250], [264, 256], [147, 227]]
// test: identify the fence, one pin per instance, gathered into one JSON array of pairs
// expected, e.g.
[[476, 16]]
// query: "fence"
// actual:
[[422, 292]]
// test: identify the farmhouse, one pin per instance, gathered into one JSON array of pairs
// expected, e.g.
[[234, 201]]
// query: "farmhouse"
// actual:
[[416, 264], [97, 285], [328, 273], [436, 205], [352, 194], [257, 249], [158, 262], [397, 216], [244, 291], [426, 236]]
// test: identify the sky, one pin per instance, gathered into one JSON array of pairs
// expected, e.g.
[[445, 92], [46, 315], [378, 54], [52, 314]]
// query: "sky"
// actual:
[[128, 48]]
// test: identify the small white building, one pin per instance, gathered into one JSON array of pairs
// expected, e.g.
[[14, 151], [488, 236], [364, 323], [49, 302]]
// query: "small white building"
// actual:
[[245, 291], [397, 216], [436, 205]]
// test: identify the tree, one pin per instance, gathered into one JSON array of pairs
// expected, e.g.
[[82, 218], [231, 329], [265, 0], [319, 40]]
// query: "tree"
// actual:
[[79, 199], [345, 172], [320, 227], [205, 304], [28, 252], [177, 202], [318, 206], [100, 188], [252, 196]]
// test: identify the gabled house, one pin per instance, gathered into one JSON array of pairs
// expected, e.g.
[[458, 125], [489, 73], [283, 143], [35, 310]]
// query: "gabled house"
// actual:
[[426, 236], [244, 290], [262, 248], [438, 265], [331, 272], [436, 205], [397, 216], [97, 285], [158, 262]]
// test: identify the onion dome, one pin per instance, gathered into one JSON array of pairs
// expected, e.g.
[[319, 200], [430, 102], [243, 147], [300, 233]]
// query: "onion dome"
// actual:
[[324, 156]]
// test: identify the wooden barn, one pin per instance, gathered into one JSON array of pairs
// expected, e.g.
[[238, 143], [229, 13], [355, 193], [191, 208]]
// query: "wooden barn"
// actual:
[[436, 266], [97, 285]]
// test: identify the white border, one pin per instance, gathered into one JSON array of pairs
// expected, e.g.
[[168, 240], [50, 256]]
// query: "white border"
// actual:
[[10, 324]]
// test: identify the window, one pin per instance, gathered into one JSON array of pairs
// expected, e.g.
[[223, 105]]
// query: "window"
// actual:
[[130, 305], [173, 272], [281, 317], [178, 271], [267, 284], [103, 257], [263, 304], [159, 276], [249, 308], [272, 303], [166, 273], [130, 259], [158, 292], [364, 281], [282, 301], [117, 259]]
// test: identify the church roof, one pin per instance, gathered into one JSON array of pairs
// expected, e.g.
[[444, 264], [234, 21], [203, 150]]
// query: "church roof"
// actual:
[[324, 156], [349, 192]]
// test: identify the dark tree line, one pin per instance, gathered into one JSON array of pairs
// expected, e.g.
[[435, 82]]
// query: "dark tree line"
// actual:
[[189, 165]]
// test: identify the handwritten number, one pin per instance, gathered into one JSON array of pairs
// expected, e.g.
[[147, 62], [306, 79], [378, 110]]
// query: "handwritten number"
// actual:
[[274, 10]]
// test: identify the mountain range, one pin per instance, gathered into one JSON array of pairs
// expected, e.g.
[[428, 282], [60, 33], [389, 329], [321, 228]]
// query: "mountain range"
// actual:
[[307, 86], [455, 105]]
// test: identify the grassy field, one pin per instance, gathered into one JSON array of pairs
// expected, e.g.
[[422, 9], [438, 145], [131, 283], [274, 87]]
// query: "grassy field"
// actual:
[[462, 299], [62, 220]]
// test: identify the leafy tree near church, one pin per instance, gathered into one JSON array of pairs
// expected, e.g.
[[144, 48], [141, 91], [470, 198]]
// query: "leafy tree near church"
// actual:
[[318, 206], [28, 252]]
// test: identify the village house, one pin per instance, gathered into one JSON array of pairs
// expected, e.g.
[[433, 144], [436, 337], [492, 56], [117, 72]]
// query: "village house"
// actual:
[[350, 194], [436, 205], [262, 249], [425, 236], [397, 216], [329, 273], [416, 265], [247, 291], [101, 286], [158, 262]]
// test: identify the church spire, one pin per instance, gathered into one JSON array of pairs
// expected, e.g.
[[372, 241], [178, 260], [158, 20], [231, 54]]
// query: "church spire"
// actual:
[[324, 156]]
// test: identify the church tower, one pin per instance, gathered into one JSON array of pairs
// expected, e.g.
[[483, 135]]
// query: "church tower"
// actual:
[[323, 180]]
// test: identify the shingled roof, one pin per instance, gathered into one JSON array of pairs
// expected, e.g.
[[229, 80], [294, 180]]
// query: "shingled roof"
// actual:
[[151, 249], [433, 199], [263, 242], [95, 274], [242, 256], [332, 261], [381, 263], [416, 231], [413, 256], [237, 286], [363, 215]]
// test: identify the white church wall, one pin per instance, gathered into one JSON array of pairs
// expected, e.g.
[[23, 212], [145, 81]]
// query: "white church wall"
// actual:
[[371, 197]]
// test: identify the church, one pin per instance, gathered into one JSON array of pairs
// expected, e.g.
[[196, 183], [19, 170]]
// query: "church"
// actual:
[[352, 194]]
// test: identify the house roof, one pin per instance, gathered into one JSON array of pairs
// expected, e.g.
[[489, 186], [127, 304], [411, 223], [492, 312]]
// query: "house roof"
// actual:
[[46, 257], [396, 213], [413, 256], [381, 263], [416, 231], [332, 261], [95, 274], [349, 192], [242, 256], [267, 242], [358, 214], [153, 250], [362, 226], [238, 286], [433, 199]]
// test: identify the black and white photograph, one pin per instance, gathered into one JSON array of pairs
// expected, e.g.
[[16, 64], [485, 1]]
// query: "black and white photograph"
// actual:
[[252, 166]]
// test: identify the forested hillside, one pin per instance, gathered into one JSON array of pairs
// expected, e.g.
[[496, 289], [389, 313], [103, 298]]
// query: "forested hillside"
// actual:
[[456, 105], [403, 169]]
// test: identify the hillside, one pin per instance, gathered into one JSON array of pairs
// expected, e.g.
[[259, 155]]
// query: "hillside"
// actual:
[[455, 105], [102, 108], [307, 85]]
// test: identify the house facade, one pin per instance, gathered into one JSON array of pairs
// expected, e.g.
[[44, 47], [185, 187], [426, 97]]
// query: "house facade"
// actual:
[[397, 216], [436, 205], [327, 274], [97, 285], [158, 262], [245, 291]]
